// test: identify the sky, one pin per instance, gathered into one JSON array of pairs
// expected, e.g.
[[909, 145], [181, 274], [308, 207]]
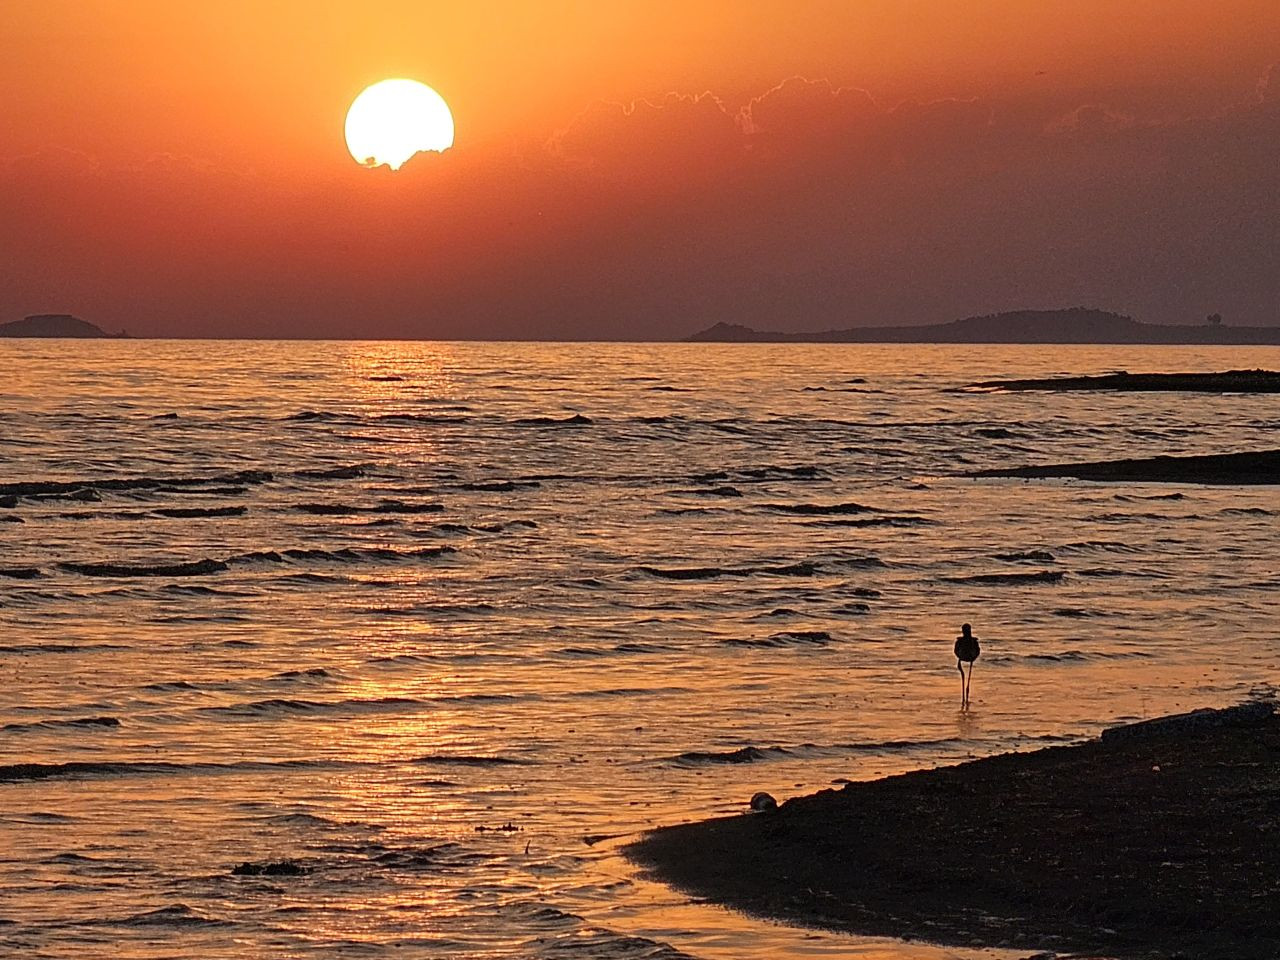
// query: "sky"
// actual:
[[634, 170]]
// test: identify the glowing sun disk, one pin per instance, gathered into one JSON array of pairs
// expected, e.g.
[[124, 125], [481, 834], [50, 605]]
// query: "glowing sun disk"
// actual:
[[394, 119]]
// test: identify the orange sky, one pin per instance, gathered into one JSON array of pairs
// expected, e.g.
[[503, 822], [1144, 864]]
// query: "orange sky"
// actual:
[[180, 168]]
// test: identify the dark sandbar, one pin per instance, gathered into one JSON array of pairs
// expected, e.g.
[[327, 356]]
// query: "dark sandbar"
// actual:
[[1231, 381], [1261, 467], [1160, 841]]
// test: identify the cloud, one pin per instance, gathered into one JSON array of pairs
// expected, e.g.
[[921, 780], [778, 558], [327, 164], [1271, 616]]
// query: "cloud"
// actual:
[[1269, 84], [679, 133], [800, 109], [1090, 118], [49, 162]]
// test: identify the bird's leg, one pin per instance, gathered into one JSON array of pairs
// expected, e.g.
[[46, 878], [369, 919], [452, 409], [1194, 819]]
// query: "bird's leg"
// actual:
[[964, 696]]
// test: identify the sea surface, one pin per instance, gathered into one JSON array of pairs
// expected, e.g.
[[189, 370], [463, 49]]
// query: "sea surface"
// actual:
[[440, 626]]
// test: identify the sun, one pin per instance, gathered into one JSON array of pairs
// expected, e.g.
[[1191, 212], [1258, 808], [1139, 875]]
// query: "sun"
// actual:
[[394, 119]]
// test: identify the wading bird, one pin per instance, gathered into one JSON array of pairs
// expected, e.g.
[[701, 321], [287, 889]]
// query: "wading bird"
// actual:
[[967, 650]]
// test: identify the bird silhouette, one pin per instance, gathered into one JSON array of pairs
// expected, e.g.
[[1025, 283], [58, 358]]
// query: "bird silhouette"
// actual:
[[967, 651]]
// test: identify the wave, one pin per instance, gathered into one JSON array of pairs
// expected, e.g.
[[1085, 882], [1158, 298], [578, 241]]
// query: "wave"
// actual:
[[269, 868], [820, 509], [20, 573], [905, 520], [55, 488], [204, 491], [996, 433], [638, 647], [1075, 613], [323, 416], [760, 474], [1080, 655], [753, 754], [399, 658], [290, 676], [1112, 546], [1011, 579], [329, 416], [348, 472], [804, 569], [384, 506], [1033, 556], [578, 653], [853, 608], [311, 578], [25, 648], [81, 722], [1135, 517], [419, 418], [741, 755], [185, 513], [776, 613], [342, 555], [21, 772], [199, 590], [577, 420], [194, 568], [722, 491], [419, 610], [500, 486], [176, 915], [867, 562], [787, 638], [280, 705], [305, 820], [469, 760]]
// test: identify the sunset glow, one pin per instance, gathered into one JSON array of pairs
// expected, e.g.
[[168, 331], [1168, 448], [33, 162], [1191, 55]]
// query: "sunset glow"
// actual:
[[575, 533], [391, 121]]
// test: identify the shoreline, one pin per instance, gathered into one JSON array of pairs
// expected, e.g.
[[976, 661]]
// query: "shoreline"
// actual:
[[1159, 839]]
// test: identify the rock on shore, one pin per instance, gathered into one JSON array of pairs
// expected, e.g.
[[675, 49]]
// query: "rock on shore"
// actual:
[[1164, 843]]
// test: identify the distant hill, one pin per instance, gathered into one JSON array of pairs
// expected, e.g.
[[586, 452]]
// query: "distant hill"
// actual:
[[1076, 325], [53, 325]]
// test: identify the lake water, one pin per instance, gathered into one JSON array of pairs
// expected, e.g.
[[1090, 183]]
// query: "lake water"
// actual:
[[443, 624]]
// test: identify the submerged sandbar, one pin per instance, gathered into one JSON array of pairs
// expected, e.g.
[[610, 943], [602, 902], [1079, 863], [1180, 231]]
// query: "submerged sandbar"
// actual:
[[1255, 467], [1230, 381], [1162, 840]]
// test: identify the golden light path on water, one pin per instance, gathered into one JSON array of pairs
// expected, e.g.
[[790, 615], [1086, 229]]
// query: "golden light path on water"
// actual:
[[556, 588]]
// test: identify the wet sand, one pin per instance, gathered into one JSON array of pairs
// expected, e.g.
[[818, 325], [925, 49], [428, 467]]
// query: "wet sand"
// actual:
[[1159, 840], [1230, 381], [1260, 467]]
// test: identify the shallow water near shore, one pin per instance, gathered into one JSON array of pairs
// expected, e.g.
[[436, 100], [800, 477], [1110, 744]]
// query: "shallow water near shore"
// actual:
[[419, 618]]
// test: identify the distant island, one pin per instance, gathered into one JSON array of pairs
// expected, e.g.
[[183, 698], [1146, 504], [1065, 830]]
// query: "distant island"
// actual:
[[1075, 325], [55, 325]]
